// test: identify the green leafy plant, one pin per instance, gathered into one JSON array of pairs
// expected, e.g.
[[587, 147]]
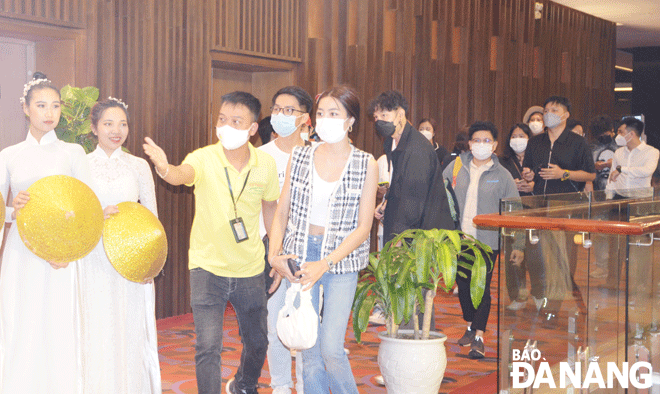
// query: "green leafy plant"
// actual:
[[75, 124], [412, 261]]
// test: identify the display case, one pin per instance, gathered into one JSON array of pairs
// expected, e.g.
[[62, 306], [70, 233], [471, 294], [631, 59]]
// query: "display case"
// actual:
[[581, 312]]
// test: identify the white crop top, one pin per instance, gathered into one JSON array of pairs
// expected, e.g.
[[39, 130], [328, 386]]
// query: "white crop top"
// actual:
[[321, 191]]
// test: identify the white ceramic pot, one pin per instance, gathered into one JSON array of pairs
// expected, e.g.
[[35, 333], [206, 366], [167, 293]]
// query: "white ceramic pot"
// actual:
[[412, 366]]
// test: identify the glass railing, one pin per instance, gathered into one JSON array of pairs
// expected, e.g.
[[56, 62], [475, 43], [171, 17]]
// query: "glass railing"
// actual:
[[582, 310]]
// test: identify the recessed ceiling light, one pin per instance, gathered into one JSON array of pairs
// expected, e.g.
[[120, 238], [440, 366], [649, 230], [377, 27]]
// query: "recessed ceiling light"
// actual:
[[619, 24]]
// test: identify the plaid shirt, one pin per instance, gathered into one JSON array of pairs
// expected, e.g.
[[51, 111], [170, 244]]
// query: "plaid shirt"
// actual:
[[343, 209]]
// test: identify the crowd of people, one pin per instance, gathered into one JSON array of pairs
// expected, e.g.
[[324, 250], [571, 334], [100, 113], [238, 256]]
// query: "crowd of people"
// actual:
[[292, 211]]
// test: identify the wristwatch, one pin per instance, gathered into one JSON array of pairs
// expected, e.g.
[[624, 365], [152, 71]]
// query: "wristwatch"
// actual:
[[330, 262], [618, 168], [566, 174]]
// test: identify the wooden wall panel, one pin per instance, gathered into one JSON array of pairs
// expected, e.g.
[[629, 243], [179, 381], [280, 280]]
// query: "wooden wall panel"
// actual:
[[265, 28], [494, 60], [69, 13]]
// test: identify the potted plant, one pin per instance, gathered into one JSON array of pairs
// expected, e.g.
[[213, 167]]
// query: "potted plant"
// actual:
[[410, 360], [75, 124]]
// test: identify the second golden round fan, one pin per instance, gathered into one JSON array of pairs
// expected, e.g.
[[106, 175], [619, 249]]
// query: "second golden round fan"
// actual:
[[135, 242]]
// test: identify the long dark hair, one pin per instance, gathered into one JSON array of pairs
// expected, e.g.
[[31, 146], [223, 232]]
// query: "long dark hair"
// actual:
[[508, 152]]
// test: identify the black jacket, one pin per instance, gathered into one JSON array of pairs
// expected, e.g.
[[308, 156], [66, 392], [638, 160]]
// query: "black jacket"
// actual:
[[417, 197], [512, 164]]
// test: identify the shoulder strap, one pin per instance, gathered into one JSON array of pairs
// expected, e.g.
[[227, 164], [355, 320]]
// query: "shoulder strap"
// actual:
[[457, 167]]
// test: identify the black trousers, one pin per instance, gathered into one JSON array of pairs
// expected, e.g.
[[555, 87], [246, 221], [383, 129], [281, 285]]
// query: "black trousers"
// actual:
[[479, 316], [516, 277]]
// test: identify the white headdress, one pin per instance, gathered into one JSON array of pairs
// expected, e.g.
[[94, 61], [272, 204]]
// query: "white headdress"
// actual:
[[118, 101], [28, 86]]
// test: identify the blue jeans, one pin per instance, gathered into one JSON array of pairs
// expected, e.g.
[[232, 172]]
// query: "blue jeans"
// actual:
[[325, 365], [209, 297], [279, 356]]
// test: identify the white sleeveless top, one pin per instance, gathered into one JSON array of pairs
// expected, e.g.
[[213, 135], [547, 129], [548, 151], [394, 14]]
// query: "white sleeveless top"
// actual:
[[321, 191]]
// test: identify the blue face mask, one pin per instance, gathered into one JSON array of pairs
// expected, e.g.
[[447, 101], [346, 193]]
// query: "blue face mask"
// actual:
[[283, 125]]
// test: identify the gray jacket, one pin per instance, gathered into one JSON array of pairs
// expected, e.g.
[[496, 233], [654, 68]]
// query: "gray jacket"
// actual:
[[495, 184]]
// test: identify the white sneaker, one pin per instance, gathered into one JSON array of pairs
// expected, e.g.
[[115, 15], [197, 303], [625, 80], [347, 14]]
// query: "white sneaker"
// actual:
[[516, 305], [282, 390]]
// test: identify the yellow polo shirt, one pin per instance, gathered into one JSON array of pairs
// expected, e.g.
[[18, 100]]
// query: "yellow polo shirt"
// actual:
[[212, 243]]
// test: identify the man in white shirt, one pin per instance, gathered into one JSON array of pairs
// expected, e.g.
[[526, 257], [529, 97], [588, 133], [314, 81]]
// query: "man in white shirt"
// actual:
[[291, 110], [634, 162], [633, 165]]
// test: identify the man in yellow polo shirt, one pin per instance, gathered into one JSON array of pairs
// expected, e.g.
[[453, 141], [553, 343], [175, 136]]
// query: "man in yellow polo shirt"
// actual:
[[233, 181]]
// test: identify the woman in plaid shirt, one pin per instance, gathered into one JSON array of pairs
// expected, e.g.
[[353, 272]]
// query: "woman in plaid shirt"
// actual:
[[323, 222]]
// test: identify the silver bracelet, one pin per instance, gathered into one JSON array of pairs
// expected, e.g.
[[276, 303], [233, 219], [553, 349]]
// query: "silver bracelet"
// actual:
[[162, 175]]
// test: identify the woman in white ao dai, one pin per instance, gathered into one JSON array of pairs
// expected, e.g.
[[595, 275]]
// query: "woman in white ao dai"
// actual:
[[118, 324], [39, 338]]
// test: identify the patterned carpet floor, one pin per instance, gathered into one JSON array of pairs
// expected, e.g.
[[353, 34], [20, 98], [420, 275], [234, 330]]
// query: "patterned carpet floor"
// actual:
[[176, 343]]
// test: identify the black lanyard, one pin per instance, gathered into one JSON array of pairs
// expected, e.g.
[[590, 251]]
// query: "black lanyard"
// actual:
[[231, 192]]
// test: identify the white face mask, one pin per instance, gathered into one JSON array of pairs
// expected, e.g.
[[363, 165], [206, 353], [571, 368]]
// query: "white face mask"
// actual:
[[482, 150], [536, 127], [283, 125], [427, 134], [331, 130], [621, 140], [232, 138], [518, 144]]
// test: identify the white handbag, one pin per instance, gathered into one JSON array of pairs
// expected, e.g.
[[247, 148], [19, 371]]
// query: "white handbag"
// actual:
[[297, 327]]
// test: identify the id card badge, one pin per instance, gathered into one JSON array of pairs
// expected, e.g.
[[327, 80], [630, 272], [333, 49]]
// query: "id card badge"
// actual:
[[238, 227]]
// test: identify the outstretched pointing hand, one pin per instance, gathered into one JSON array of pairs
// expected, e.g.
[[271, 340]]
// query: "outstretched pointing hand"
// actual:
[[156, 154]]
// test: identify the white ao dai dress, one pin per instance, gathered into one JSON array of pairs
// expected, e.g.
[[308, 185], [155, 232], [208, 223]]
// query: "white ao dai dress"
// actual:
[[39, 336], [118, 323]]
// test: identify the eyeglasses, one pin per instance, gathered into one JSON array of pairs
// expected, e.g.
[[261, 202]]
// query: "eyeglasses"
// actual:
[[287, 111], [480, 141], [237, 123]]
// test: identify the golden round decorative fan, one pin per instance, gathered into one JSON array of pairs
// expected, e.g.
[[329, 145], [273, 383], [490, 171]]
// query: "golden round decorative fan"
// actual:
[[63, 221], [2, 207], [135, 242]]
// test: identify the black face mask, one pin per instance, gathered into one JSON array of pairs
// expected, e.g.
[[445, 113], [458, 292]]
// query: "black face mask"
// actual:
[[385, 129], [605, 139]]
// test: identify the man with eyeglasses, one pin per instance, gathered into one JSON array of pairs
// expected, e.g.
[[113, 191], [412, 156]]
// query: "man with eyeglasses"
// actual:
[[481, 182], [291, 110], [233, 181]]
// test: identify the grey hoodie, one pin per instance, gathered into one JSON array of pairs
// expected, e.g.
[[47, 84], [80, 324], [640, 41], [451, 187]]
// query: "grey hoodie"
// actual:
[[495, 184]]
